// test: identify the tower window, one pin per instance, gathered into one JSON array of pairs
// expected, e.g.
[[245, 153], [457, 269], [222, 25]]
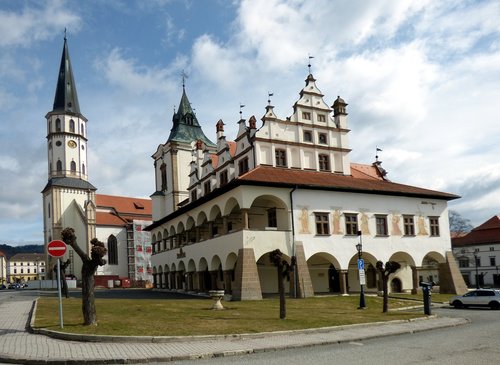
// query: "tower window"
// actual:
[[322, 138], [308, 136], [243, 165], [163, 172], [58, 125], [82, 129], [50, 126], [112, 250], [83, 168], [73, 167], [321, 118], [306, 115], [72, 126], [59, 166]]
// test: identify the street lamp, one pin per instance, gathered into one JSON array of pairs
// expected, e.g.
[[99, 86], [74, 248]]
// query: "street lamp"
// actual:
[[359, 247], [477, 273]]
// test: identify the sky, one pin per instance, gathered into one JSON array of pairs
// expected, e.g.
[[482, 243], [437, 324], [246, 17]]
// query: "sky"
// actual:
[[422, 80]]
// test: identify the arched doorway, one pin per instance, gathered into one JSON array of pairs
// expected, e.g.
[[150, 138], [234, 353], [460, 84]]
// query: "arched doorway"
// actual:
[[396, 286]]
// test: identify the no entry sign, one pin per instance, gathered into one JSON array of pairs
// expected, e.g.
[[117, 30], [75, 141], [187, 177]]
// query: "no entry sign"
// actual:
[[56, 248]]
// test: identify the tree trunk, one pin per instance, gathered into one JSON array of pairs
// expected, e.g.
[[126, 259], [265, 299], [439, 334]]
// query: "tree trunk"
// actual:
[[281, 289], [88, 303], [385, 279]]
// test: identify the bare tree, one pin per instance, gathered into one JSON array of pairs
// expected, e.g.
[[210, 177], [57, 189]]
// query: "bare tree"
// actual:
[[284, 269], [89, 267], [389, 268], [459, 224]]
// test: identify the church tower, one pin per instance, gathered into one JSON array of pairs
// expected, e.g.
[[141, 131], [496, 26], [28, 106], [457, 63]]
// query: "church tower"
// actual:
[[173, 159], [68, 197]]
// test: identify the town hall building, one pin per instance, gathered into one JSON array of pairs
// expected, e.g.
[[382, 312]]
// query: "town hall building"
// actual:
[[220, 208]]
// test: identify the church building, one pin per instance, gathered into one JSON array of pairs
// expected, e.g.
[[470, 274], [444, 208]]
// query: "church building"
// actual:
[[220, 208], [70, 200]]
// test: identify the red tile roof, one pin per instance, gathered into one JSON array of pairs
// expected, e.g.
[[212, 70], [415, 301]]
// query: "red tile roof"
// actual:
[[122, 210], [325, 180], [486, 233], [361, 171]]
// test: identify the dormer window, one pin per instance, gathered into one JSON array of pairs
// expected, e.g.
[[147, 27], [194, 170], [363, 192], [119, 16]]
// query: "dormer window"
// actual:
[[194, 195], [207, 187], [306, 115], [243, 166], [223, 179]]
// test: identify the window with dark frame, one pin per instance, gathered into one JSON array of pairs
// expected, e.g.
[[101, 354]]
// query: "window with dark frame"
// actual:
[[409, 225], [381, 224], [163, 172], [322, 224], [194, 194], [272, 220], [321, 118], [280, 156], [351, 224], [223, 178], [306, 115], [206, 187], [434, 226], [112, 250], [322, 138], [493, 261], [243, 166], [324, 162], [308, 136]]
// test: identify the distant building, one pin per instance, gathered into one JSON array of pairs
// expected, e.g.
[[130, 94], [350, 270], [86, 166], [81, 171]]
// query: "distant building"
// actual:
[[220, 208], [24, 267], [478, 254], [3, 268], [70, 200]]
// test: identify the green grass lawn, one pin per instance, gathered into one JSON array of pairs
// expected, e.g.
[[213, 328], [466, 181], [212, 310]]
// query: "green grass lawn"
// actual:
[[141, 317]]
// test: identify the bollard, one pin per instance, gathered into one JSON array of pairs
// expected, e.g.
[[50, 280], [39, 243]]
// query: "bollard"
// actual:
[[426, 291]]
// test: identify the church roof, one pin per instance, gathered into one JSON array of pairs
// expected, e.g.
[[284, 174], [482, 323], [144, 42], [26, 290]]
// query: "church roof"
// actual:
[[120, 210], [66, 98], [185, 124], [69, 182]]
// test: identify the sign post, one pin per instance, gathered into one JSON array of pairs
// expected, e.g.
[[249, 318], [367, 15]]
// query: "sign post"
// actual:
[[57, 249]]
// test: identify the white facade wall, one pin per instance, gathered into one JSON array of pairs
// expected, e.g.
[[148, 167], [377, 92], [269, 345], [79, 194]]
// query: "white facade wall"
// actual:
[[121, 269], [488, 265]]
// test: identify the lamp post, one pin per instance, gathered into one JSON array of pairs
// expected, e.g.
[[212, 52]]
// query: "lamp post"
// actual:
[[359, 247], [477, 273]]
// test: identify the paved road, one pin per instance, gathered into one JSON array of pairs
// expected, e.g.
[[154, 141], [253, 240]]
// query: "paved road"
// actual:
[[477, 343]]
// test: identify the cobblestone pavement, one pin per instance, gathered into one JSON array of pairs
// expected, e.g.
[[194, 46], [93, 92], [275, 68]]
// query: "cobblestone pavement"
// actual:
[[19, 346]]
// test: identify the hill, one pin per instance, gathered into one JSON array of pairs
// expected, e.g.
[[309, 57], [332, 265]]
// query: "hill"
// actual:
[[10, 251]]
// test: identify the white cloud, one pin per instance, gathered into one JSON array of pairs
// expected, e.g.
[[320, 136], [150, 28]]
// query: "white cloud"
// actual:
[[36, 23]]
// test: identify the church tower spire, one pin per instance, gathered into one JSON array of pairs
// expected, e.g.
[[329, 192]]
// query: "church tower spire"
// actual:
[[68, 193]]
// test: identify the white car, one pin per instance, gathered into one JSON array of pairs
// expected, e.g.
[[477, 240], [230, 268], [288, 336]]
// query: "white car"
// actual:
[[478, 298]]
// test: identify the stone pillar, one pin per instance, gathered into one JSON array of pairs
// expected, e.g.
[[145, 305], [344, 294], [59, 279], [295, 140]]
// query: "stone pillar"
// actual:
[[213, 280], [155, 283], [246, 282], [343, 282], [210, 229], [304, 283], [244, 216], [224, 225], [414, 277]]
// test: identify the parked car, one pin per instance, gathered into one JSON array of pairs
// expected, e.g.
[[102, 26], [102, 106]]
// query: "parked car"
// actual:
[[2, 287], [14, 286], [477, 298]]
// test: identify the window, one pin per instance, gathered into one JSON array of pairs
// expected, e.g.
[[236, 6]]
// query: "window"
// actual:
[[82, 129], [73, 167], [308, 136], [163, 172], [58, 125], [207, 187], [223, 178], [324, 163], [280, 156], [351, 224], [322, 138], [434, 226], [322, 224], [381, 223], [271, 218], [83, 168], [243, 166], [72, 126], [306, 115], [15, 271], [493, 261], [321, 118], [409, 225], [59, 166], [194, 195], [492, 248], [112, 250], [478, 261]]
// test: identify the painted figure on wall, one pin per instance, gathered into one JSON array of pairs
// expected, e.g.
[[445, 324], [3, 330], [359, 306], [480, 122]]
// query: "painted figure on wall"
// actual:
[[396, 231], [422, 231], [364, 224], [304, 221], [336, 222]]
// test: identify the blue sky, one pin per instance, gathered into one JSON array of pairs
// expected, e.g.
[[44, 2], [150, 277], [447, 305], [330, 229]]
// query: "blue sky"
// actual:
[[422, 79]]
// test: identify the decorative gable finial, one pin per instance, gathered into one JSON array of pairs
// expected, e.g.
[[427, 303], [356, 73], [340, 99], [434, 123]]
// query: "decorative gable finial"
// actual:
[[309, 64]]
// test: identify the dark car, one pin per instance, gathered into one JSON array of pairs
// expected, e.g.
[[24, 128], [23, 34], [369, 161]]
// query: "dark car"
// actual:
[[2, 287], [478, 298]]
